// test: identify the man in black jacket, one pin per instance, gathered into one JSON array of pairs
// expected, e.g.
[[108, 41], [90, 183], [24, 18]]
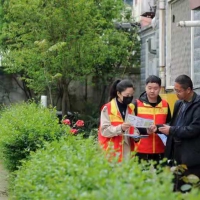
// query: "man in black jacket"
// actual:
[[183, 143]]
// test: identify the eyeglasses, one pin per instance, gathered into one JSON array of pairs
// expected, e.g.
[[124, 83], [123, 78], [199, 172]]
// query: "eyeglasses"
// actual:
[[178, 91]]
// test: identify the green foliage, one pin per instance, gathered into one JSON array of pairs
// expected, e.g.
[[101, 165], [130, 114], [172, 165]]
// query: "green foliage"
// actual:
[[41, 39], [90, 115], [24, 128], [91, 118], [191, 180], [74, 168]]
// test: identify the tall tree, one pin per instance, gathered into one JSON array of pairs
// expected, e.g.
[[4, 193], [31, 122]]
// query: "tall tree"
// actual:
[[49, 43]]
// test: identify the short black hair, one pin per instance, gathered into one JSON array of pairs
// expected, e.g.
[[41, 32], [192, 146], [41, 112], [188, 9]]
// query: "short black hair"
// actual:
[[120, 86], [153, 79], [185, 81]]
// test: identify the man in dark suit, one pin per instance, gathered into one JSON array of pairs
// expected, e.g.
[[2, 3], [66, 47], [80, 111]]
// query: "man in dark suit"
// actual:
[[183, 142]]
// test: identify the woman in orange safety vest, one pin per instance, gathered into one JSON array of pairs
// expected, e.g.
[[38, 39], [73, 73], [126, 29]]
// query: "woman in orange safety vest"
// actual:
[[112, 122]]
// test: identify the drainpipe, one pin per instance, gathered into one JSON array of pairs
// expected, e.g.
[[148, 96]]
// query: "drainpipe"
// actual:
[[189, 24], [162, 44]]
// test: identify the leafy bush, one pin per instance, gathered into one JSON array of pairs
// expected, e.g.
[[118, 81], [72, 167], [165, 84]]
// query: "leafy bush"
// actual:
[[191, 180], [24, 128], [74, 168], [91, 117]]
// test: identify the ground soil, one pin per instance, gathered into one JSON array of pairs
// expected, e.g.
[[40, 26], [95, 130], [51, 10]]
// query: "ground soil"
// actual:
[[3, 183]]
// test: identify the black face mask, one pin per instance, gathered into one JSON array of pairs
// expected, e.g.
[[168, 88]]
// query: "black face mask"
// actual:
[[127, 100]]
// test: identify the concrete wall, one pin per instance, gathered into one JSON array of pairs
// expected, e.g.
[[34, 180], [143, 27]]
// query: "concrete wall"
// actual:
[[94, 92], [10, 92]]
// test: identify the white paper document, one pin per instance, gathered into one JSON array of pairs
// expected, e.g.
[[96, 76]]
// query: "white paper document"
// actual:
[[163, 138], [139, 121]]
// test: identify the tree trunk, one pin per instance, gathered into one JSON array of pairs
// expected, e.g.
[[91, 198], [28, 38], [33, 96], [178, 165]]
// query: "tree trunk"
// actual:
[[64, 103], [65, 99], [86, 91]]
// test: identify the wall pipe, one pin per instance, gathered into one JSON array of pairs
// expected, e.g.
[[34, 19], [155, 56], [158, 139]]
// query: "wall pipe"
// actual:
[[189, 24], [162, 44]]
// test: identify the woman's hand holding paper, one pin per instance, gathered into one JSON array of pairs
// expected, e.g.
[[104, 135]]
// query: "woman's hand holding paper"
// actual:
[[125, 126]]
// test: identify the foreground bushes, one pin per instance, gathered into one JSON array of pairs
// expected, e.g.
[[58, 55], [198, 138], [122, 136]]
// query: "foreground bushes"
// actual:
[[74, 169], [24, 128]]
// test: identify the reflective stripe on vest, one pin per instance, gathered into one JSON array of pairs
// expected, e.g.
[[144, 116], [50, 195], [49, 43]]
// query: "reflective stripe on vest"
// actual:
[[152, 144]]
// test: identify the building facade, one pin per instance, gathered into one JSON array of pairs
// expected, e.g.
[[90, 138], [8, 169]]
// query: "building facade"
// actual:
[[181, 44]]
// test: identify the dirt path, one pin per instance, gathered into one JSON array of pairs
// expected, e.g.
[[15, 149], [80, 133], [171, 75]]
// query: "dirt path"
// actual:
[[3, 183]]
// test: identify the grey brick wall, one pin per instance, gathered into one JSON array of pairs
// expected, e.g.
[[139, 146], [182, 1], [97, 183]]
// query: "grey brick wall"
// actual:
[[180, 40], [180, 62], [196, 58]]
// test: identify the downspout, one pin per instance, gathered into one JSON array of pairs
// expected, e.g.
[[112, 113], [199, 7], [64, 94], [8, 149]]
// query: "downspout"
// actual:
[[162, 44]]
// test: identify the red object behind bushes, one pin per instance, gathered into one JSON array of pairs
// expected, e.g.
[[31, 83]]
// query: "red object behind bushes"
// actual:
[[79, 123], [67, 122], [73, 130]]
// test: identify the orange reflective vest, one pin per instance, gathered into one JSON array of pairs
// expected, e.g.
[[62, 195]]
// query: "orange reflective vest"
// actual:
[[152, 144], [114, 145]]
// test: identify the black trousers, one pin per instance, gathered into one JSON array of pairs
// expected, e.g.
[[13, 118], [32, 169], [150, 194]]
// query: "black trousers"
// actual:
[[150, 157], [178, 181]]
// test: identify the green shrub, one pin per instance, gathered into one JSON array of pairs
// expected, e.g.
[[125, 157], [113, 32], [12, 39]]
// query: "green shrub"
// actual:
[[24, 128], [74, 168]]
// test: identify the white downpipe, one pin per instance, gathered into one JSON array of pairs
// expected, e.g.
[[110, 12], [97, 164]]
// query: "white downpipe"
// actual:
[[162, 42], [189, 24], [192, 47]]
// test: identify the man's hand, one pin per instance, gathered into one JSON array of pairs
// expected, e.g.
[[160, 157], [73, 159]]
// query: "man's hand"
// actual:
[[164, 129], [125, 126], [152, 129]]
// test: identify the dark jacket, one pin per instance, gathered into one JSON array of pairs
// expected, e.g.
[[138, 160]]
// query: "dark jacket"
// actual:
[[187, 132]]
